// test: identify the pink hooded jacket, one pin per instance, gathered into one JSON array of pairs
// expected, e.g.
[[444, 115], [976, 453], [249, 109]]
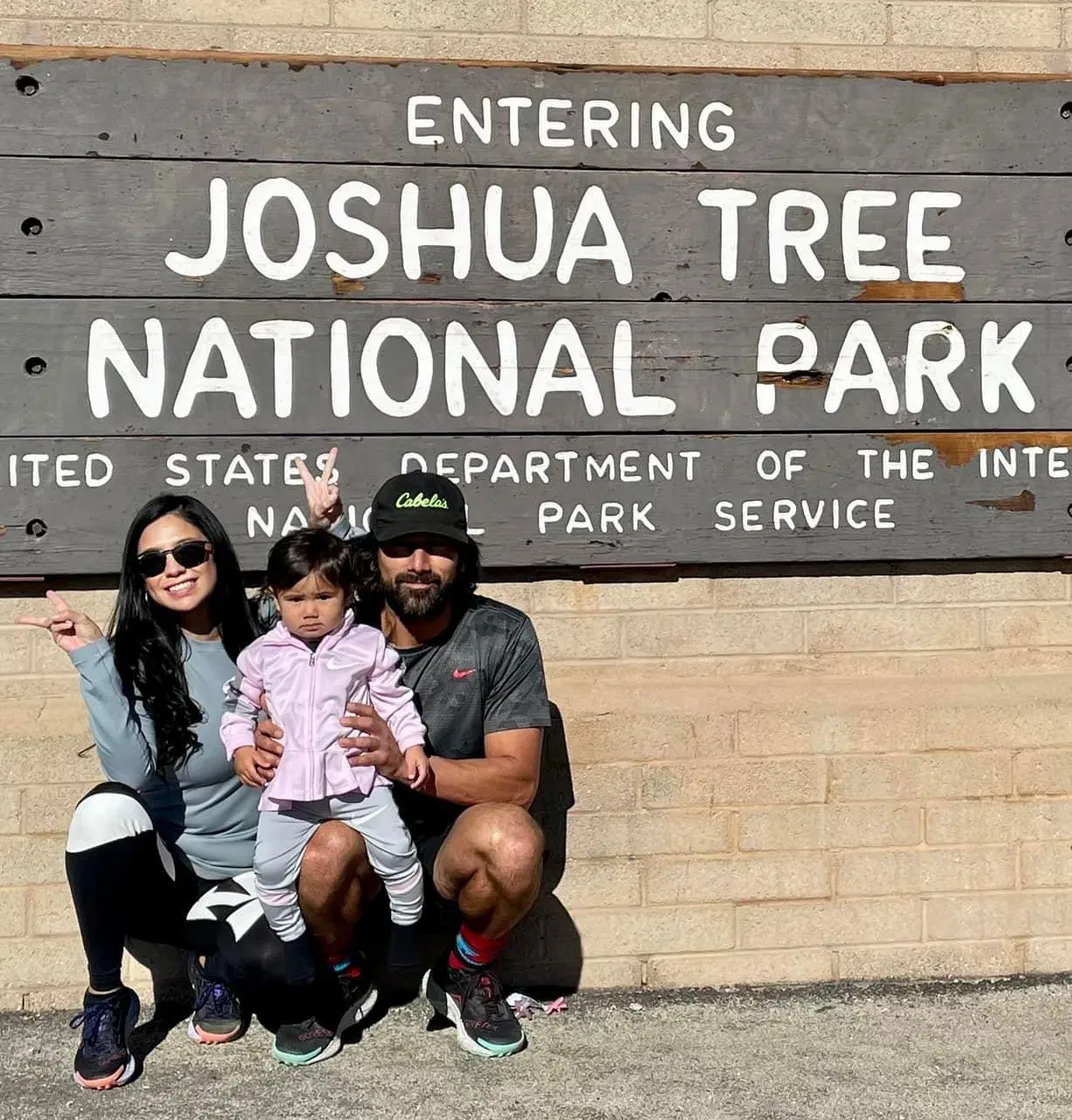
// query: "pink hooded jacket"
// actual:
[[307, 693]]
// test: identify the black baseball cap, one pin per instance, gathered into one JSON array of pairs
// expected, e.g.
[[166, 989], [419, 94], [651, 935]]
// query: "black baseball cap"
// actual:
[[418, 503]]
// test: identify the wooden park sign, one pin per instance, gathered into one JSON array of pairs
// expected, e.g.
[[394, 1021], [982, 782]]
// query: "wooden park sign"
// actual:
[[642, 318]]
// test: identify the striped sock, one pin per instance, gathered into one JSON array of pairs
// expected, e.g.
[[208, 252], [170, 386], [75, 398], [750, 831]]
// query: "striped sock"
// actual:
[[473, 950], [344, 965]]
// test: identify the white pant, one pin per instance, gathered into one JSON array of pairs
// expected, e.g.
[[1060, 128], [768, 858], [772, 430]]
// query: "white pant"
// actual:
[[282, 837]]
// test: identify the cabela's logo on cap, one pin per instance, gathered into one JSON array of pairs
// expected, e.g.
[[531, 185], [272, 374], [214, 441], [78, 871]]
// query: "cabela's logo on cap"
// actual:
[[419, 501]]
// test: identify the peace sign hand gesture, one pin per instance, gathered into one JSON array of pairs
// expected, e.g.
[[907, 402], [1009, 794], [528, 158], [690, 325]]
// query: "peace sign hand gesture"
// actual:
[[70, 629], [321, 494]]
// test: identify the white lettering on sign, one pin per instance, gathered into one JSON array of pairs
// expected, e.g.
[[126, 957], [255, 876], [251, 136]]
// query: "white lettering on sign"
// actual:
[[758, 514], [557, 122], [594, 208], [604, 518], [107, 349], [887, 464], [258, 200], [860, 337], [283, 333], [543, 467], [457, 236], [262, 468], [998, 372], [216, 253], [37, 469], [493, 227], [590, 218], [579, 376], [926, 380], [460, 351], [265, 524], [781, 238], [771, 465], [379, 245], [481, 126], [215, 338], [484, 369], [564, 369], [918, 243], [372, 378], [854, 242], [1024, 462], [919, 368], [798, 222], [728, 202], [766, 363]]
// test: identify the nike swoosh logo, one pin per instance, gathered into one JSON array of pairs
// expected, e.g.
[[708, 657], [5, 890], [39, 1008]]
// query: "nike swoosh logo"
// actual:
[[461, 674]]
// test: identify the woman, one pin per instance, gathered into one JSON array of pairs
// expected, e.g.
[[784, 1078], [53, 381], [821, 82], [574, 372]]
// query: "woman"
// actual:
[[173, 824]]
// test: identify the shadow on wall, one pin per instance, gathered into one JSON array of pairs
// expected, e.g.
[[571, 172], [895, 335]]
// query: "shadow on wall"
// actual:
[[545, 952]]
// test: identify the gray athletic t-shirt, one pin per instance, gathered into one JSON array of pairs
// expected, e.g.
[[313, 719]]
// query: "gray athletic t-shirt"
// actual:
[[201, 807], [485, 674]]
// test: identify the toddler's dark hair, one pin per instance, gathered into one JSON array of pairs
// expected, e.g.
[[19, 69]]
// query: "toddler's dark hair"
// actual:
[[308, 552]]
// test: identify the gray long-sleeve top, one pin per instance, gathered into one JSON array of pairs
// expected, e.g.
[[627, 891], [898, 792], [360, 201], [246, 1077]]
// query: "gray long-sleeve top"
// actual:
[[200, 807]]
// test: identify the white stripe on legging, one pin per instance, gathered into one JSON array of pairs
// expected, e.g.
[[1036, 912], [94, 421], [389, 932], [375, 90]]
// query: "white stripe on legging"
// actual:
[[104, 817]]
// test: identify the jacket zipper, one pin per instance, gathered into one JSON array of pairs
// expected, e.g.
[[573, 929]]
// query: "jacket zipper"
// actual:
[[312, 696], [312, 688]]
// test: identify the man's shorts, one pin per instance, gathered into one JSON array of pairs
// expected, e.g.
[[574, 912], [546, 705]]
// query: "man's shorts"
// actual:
[[437, 910]]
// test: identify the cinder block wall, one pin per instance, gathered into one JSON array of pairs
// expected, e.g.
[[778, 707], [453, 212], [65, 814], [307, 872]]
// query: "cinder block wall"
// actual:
[[772, 779], [792, 777], [1007, 37]]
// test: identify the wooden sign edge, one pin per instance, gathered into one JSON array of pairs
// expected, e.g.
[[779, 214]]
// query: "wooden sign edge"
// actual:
[[21, 56]]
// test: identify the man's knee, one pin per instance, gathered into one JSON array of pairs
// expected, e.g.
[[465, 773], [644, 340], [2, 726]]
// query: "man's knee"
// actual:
[[109, 812], [516, 841], [332, 858], [509, 842]]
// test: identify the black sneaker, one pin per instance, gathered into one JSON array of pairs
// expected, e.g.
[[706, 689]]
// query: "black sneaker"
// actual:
[[306, 1042], [217, 1014], [104, 1060], [358, 996], [472, 999], [309, 1040]]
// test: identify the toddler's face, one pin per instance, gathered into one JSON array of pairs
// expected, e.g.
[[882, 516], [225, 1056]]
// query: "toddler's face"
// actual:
[[311, 608]]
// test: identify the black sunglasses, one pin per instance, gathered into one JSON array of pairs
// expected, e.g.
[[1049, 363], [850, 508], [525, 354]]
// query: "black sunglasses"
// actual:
[[189, 554]]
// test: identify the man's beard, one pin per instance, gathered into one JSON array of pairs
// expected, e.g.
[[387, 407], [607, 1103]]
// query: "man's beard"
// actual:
[[411, 604]]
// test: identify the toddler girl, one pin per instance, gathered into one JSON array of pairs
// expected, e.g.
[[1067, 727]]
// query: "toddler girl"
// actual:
[[309, 666]]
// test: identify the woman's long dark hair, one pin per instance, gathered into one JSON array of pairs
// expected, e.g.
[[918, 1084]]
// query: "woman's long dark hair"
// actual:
[[147, 640]]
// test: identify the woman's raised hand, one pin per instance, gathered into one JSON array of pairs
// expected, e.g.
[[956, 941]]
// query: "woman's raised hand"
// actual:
[[70, 630], [321, 494]]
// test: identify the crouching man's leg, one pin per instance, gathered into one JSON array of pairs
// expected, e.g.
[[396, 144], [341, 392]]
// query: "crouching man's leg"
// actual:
[[489, 865]]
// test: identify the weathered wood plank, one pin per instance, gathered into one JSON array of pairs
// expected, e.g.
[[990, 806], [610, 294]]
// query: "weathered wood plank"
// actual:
[[575, 500], [329, 111], [700, 361], [108, 226]]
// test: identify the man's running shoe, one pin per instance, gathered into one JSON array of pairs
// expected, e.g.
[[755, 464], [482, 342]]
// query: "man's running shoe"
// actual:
[[104, 1060], [217, 1013], [473, 1000], [306, 1042], [309, 1040], [358, 996]]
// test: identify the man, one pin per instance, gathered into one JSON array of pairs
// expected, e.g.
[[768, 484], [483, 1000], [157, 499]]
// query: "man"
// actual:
[[475, 668]]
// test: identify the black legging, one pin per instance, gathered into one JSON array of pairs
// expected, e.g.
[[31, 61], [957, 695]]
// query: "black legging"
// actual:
[[127, 883]]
